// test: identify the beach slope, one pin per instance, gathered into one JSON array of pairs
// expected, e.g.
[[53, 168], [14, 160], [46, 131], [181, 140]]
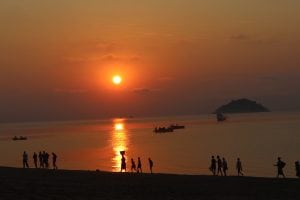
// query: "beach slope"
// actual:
[[65, 184]]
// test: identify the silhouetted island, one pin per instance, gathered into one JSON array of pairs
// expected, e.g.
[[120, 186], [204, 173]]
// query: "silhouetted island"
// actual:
[[242, 106]]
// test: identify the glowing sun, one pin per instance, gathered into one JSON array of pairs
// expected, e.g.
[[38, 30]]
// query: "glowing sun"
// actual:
[[117, 80]]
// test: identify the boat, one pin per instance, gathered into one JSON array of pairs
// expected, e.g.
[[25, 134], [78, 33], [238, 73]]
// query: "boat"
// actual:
[[19, 138], [221, 117], [176, 126], [163, 130]]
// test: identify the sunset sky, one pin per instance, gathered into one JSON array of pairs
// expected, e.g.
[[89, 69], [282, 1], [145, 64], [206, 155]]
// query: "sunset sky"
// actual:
[[58, 57]]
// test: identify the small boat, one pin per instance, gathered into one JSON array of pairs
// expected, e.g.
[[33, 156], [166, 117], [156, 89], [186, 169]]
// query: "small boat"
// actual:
[[163, 130], [19, 138], [221, 117], [176, 126]]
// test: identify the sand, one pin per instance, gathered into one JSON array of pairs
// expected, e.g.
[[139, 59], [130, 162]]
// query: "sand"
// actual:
[[66, 184]]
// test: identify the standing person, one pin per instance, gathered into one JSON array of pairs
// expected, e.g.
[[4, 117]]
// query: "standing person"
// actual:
[[25, 160], [54, 158], [213, 165], [47, 159], [35, 158], [44, 159], [239, 167], [280, 165], [139, 167], [150, 164], [297, 167], [133, 166], [225, 167], [219, 162], [123, 163], [41, 160]]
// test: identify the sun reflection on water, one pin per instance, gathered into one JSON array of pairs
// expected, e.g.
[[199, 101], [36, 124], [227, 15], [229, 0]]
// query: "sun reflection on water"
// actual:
[[119, 143]]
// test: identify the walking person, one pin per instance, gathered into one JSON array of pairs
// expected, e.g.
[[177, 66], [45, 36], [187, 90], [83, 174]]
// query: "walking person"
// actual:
[[41, 160], [25, 160], [139, 167], [35, 160], [219, 162], [133, 166], [280, 165], [239, 167], [150, 164], [213, 165], [54, 158], [224, 166]]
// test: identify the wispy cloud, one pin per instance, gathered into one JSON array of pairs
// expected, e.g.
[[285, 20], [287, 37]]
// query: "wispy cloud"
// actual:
[[69, 91], [144, 91], [252, 39], [166, 78], [239, 36]]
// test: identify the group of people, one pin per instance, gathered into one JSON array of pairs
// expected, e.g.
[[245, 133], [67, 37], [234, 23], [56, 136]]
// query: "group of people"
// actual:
[[219, 166], [135, 168], [40, 160]]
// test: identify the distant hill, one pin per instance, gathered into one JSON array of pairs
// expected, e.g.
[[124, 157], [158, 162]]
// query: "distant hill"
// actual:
[[242, 106]]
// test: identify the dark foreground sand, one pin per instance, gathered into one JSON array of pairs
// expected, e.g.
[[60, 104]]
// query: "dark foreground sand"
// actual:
[[47, 184]]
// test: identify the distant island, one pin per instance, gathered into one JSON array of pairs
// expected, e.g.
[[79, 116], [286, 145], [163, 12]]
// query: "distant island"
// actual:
[[242, 106]]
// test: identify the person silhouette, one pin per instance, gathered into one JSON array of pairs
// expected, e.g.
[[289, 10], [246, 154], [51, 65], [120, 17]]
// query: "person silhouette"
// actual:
[[41, 160], [150, 164], [54, 158], [25, 160], [297, 167], [239, 167], [213, 165], [47, 159], [35, 158], [44, 158], [224, 166], [123, 163], [133, 166], [280, 165], [139, 166], [219, 162]]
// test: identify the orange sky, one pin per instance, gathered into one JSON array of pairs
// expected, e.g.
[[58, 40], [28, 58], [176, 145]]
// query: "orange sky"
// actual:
[[57, 57]]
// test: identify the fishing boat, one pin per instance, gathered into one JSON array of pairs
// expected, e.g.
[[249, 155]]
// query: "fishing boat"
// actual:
[[176, 126], [19, 138], [163, 130]]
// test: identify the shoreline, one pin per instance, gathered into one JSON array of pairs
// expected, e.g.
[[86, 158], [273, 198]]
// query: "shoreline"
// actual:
[[18, 183]]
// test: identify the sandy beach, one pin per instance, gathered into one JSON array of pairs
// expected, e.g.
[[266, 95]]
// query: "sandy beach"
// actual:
[[24, 184]]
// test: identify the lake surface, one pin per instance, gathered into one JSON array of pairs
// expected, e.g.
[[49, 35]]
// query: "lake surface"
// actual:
[[258, 139]]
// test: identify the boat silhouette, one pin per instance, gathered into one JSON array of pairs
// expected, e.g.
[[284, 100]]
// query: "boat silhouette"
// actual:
[[176, 126], [19, 138], [163, 129], [221, 117]]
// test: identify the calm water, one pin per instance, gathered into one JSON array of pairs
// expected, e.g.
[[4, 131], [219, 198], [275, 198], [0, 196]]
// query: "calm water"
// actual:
[[256, 138]]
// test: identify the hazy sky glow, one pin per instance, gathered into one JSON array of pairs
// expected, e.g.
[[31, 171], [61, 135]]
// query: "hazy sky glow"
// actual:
[[57, 57]]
